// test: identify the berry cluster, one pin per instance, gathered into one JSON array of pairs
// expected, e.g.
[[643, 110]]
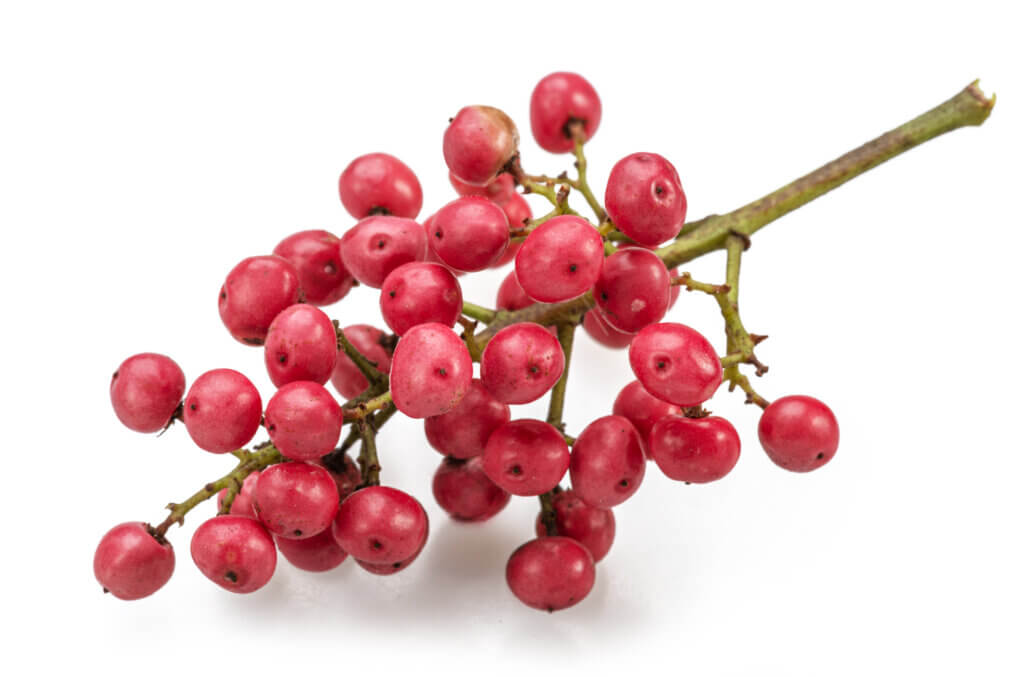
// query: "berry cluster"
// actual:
[[301, 495]]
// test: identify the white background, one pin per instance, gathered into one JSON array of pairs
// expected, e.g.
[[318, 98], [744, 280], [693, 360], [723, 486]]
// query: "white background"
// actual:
[[146, 148]]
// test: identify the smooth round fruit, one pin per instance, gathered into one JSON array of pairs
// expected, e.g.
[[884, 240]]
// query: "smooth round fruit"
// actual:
[[593, 527], [598, 329], [131, 563], [381, 525], [146, 390], [645, 198], [304, 421], [242, 505], [560, 260], [526, 457], [511, 295], [479, 142], [234, 552], [559, 100], [470, 233], [222, 411], [464, 491], [632, 290], [799, 433], [302, 345], [317, 259], [463, 431], [319, 553], [295, 499], [521, 363], [430, 371], [343, 471], [642, 409], [372, 343], [607, 463], [518, 212], [694, 450], [550, 573], [675, 363], [500, 190], [379, 183], [375, 246], [255, 291], [416, 293]]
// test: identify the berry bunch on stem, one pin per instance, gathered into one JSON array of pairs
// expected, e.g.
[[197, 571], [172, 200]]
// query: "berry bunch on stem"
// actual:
[[614, 271]]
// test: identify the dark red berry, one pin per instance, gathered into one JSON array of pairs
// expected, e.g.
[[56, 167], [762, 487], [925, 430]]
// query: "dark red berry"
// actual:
[[304, 421], [416, 293], [550, 573], [560, 260], [146, 390], [430, 371], [464, 491], [526, 457], [255, 291], [242, 504], [557, 102], [511, 295], [375, 246], [317, 258], [379, 183], [381, 525], [593, 527], [319, 553], [343, 471], [479, 142], [608, 463], [463, 431], [694, 450], [131, 562], [234, 552], [469, 234], [521, 363], [222, 411], [645, 198], [302, 345], [296, 499], [799, 433], [675, 363], [598, 329], [632, 290], [642, 409], [372, 343]]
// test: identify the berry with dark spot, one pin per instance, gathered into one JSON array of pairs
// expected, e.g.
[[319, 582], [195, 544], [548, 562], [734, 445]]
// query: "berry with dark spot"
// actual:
[[255, 291], [694, 450], [645, 199], [222, 411], [550, 573], [593, 527], [317, 259], [375, 246], [416, 293], [131, 562], [296, 499], [675, 363], [381, 525], [526, 457], [799, 433], [560, 260], [478, 143], [379, 183], [304, 421], [234, 552], [607, 463], [521, 363], [146, 390], [301, 345], [558, 101], [430, 371], [469, 234]]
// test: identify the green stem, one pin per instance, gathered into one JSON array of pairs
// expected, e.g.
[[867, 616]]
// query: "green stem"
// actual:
[[583, 187], [556, 406], [366, 366], [479, 313], [369, 465], [547, 511], [364, 409]]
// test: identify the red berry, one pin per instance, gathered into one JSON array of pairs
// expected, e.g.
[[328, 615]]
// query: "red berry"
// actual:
[[598, 328], [632, 290], [234, 552], [369, 341], [302, 345], [146, 390], [500, 190], [431, 255], [463, 431], [478, 143], [526, 457], [317, 258], [381, 525], [295, 499], [379, 183], [607, 464], [518, 212], [694, 449], [222, 411], [464, 491], [642, 409], [521, 363], [469, 234], [418, 292], [593, 527], [675, 364], [645, 198], [550, 573], [389, 568], [799, 433], [343, 471], [242, 505], [255, 291], [378, 244], [304, 421], [131, 562], [560, 260], [673, 289], [559, 100], [319, 553], [430, 371], [511, 295]]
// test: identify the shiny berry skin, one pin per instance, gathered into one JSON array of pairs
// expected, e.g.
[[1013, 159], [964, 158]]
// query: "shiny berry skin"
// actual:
[[642, 409], [388, 568], [304, 421], [255, 291], [234, 552], [375, 246], [607, 463], [550, 573], [431, 256], [146, 390], [675, 363], [593, 527], [301, 345], [317, 259], [316, 554], [518, 212], [526, 457], [381, 525], [696, 450], [645, 198], [511, 295], [131, 563], [343, 471], [560, 260], [347, 379], [521, 363], [379, 183], [598, 329], [558, 100], [419, 292], [430, 371], [799, 433], [632, 290], [464, 491], [242, 505], [222, 411], [463, 431], [500, 190], [296, 499], [469, 234], [479, 142]]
